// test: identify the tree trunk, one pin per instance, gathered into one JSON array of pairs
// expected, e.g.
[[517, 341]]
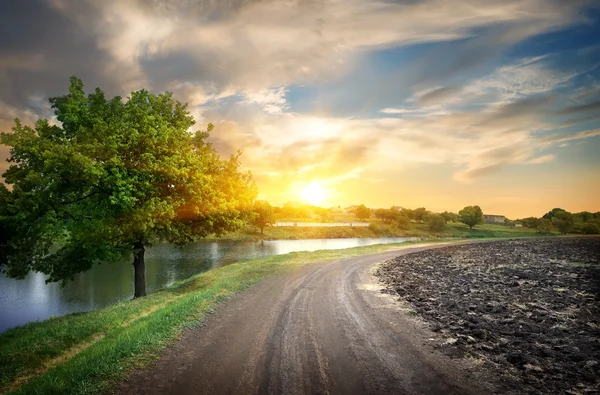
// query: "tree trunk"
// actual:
[[262, 230], [140, 270]]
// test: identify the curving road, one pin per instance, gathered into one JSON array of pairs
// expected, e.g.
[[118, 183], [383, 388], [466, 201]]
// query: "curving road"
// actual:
[[320, 329]]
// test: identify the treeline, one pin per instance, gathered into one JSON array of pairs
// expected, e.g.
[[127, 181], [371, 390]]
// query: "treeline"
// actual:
[[558, 219], [436, 222]]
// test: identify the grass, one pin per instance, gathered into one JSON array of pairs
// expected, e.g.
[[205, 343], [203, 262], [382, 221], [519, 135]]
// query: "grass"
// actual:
[[379, 229], [86, 353]]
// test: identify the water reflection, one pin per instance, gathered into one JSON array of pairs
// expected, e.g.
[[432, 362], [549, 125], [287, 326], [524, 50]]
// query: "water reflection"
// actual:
[[31, 299]]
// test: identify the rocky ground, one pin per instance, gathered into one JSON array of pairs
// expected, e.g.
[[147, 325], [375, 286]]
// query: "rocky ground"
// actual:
[[527, 309]]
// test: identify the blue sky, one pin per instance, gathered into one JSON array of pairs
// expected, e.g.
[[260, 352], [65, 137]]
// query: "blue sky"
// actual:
[[435, 103]]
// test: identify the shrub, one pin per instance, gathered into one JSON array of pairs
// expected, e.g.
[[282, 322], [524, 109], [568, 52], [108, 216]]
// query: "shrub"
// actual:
[[590, 228], [544, 226], [435, 222]]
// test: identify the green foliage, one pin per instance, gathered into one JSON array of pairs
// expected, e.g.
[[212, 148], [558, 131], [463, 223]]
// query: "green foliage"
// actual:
[[292, 211], [362, 212], [115, 174], [449, 217], [435, 222], [402, 222], [420, 213], [386, 215], [262, 215], [471, 216], [408, 213], [590, 228], [552, 213], [563, 221], [530, 222], [544, 226]]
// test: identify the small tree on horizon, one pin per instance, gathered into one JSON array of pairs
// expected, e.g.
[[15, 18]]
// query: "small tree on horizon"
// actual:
[[471, 216], [114, 177], [263, 215], [435, 222], [544, 226], [420, 213], [563, 221], [362, 212]]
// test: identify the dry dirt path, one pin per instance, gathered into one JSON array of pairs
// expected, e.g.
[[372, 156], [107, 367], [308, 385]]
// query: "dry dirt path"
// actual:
[[324, 328]]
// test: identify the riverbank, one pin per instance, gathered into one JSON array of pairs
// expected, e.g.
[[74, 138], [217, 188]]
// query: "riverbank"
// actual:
[[377, 229], [85, 353]]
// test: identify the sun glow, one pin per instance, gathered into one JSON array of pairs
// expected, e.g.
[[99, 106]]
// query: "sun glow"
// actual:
[[313, 193]]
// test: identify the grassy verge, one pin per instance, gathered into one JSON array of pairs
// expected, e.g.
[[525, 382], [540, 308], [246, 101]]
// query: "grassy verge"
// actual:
[[378, 229], [85, 353]]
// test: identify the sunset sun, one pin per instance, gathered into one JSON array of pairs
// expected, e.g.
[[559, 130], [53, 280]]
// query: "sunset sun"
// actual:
[[313, 193]]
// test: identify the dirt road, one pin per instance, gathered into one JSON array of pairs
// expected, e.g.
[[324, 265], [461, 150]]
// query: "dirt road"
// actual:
[[324, 328]]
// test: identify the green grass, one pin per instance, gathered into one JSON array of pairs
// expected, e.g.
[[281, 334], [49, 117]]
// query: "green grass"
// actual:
[[379, 229], [128, 334]]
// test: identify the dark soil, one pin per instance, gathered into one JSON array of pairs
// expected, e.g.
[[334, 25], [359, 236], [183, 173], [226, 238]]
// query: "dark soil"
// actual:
[[527, 309]]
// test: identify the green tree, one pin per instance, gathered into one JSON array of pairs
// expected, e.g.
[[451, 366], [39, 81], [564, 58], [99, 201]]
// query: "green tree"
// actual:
[[544, 226], [402, 221], [114, 177], [449, 217], [552, 213], [263, 215], [471, 216], [408, 213], [531, 222], [386, 215], [590, 228], [362, 212], [563, 221], [435, 222], [420, 213]]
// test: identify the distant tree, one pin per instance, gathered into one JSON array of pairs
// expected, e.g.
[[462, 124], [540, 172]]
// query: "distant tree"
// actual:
[[471, 216], [583, 216], [408, 213], [362, 212], [552, 213], [449, 217], [323, 213], [435, 222], [590, 228], [544, 226], [386, 215], [402, 222], [563, 221], [114, 177], [420, 213], [530, 222], [263, 215]]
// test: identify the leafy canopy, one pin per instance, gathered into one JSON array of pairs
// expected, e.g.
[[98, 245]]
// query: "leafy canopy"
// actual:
[[471, 216], [116, 172], [263, 215]]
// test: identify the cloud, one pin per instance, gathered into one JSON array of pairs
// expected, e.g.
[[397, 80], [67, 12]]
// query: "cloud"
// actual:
[[272, 101], [541, 159], [239, 64], [561, 138], [438, 95]]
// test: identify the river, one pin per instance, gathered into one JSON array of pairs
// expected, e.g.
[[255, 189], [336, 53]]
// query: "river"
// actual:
[[31, 299]]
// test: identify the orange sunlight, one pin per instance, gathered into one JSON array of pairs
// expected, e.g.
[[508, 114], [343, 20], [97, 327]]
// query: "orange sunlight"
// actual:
[[313, 193]]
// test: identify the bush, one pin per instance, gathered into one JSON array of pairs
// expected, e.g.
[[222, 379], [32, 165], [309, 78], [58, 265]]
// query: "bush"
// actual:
[[544, 226], [435, 222], [402, 222], [590, 228]]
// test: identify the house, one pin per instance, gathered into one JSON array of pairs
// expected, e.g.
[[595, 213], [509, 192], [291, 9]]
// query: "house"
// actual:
[[493, 219]]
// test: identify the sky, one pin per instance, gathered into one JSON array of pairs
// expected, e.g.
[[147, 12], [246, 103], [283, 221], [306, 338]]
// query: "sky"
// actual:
[[413, 103]]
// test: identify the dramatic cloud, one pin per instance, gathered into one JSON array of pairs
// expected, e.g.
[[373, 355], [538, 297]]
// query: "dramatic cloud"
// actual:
[[330, 90]]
